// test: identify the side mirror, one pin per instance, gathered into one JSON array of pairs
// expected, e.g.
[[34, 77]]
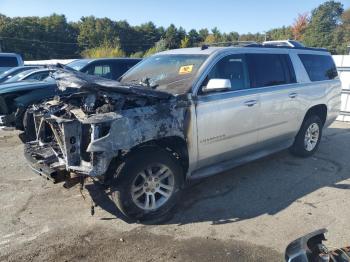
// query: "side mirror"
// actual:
[[217, 84]]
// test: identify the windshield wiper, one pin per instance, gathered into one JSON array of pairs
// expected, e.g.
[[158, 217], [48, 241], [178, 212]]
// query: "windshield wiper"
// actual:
[[146, 81], [143, 82]]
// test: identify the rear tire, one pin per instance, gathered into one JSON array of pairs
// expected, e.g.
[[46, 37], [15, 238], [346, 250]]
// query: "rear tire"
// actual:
[[308, 138], [147, 184]]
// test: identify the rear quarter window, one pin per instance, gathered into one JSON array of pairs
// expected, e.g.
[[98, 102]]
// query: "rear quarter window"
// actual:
[[319, 67], [8, 61]]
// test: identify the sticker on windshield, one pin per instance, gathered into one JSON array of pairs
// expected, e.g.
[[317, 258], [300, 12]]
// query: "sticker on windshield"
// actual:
[[187, 69]]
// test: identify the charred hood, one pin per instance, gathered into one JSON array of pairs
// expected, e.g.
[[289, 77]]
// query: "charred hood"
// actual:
[[69, 78]]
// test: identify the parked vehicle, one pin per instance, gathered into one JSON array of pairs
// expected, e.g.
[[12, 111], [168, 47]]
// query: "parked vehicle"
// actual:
[[31, 75], [16, 97], [184, 114], [9, 60], [111, 68], [14, 71]]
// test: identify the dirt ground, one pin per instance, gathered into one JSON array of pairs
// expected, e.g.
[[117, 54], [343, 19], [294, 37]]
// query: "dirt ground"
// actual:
[[250, 213]]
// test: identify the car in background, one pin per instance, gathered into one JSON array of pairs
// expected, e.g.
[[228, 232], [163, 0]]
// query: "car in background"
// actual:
[[9, 60], [14, 71], [31, 75], [16, 97], [111, 68]]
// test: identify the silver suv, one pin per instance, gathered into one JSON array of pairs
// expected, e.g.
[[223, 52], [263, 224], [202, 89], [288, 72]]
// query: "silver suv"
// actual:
[[184, 114]]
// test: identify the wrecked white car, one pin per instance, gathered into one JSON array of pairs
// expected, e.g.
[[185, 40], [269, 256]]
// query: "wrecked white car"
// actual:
[[184, 114]]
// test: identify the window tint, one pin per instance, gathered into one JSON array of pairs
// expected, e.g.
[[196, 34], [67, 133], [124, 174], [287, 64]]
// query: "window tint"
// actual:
[[102, 70], [121, 67], [319, 67], [38, 76], [8, 61], [270, 70], [232, 67]]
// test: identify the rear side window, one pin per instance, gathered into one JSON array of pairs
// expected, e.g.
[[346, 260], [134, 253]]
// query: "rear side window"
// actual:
[[8, 61], [319, 67], [270, 70]]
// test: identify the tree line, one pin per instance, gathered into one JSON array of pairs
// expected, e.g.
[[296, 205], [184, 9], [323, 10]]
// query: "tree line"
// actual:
[[326, 26]]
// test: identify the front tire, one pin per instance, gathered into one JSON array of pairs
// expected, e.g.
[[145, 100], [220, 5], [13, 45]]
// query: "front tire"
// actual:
[[308, 138], [147, 184]]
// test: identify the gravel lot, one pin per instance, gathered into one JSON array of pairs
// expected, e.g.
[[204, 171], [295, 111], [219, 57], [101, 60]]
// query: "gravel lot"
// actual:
[[250, 213]]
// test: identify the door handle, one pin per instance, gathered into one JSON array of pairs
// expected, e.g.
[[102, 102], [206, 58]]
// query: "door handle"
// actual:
[[250, 103], [293, 95]]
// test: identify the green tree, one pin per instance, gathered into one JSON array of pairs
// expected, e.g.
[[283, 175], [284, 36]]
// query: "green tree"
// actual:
[[103, 51], [203, 34], [128, 37], [282, 33], [216, 34], [160, 46], [194, 37], [185, 42], [341, 39], [323, 23], [172, 39], [230, 37], [147, 35], [39, 38], [95, 32]]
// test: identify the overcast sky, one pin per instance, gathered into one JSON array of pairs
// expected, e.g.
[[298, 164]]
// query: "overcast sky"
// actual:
[[228, 15]]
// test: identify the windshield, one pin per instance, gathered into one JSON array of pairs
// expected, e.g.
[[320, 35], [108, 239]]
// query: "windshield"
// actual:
[[8, 61], [11, 72], [19, 76], [171, 73], [78, 64], [5, 73]]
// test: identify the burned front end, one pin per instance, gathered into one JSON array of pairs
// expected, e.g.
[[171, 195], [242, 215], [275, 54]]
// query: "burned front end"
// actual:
[[82, 133]]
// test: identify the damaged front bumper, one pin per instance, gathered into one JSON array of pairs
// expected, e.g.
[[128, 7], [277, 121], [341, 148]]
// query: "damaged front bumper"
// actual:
[[62, 145], [35, 156]]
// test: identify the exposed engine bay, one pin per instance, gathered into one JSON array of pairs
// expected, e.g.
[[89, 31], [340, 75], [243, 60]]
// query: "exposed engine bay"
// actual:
[[83, 132]]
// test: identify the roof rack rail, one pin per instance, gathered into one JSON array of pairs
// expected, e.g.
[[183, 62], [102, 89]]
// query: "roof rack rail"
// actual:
[[289, 44], [284, 43], [226, 44]]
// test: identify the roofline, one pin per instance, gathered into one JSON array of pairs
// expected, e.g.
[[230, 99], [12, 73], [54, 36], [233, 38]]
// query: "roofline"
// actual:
[[211, 50], [110, 58], [9, 54]]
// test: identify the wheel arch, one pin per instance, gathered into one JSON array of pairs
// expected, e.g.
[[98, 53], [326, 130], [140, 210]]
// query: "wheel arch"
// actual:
[[320, 110], [175, 145]]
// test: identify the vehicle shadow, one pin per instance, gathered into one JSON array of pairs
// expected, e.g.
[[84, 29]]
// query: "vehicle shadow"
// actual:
[[266, 186]]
